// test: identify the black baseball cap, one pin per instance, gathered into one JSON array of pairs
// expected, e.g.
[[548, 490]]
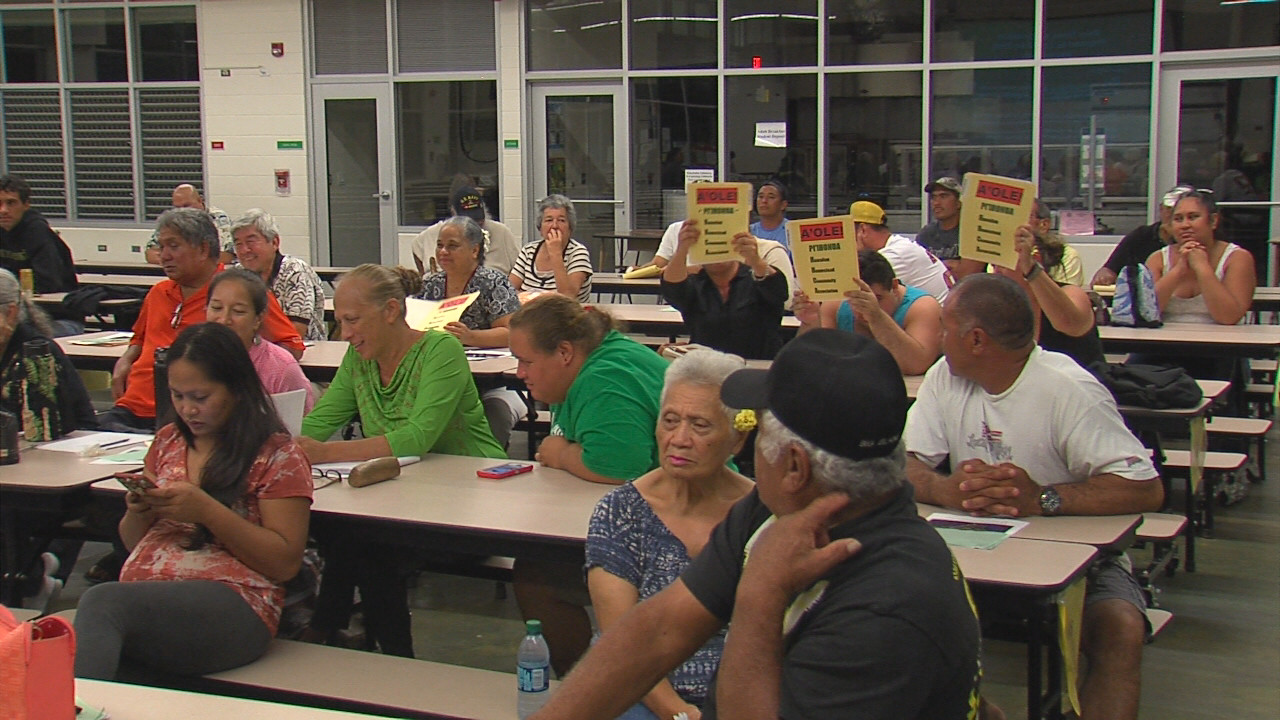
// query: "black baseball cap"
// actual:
[[466, 201], [841, 391]]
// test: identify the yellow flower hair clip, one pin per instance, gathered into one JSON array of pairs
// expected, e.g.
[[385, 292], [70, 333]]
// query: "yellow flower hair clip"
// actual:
[[744, 421]]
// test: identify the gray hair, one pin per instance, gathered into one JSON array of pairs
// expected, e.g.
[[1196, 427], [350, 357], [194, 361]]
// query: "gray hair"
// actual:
[[859, 479], [193, 225], [11, 294], [259, 220], [557, 201], [705, 367], [471, 232]]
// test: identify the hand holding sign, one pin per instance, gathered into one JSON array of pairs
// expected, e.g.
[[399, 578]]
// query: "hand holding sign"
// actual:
[[991, 210], [825, 254], [722, 210]]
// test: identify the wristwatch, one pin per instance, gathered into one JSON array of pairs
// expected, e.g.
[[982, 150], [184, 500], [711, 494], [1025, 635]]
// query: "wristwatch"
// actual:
[[1035, 269], [1050, 501]]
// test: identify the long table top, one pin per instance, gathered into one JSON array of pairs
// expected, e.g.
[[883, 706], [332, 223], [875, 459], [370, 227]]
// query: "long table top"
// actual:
[[1101, 531], [48, 471], [1265, 297], [1196, 338], [140, 702], [420, 686], [319, 361], [662, 317]]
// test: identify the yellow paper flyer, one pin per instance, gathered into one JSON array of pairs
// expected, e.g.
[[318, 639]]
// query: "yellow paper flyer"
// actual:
[[435, 314], [991, 209], [825, 254], [722, 211]]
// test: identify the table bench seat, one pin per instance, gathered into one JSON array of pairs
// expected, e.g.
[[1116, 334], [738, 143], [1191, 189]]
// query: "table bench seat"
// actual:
[[1161, 531], [1252, 430]]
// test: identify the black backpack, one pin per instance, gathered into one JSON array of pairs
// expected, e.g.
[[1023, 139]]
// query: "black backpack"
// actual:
[[1158, 387]]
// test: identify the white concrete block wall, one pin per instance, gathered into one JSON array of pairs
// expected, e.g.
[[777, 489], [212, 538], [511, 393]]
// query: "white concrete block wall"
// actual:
[[251, 110], [511, 119]]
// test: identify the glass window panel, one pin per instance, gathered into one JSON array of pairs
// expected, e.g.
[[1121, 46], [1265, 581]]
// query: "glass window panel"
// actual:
[[32, 124], [1210, 24], [790, 99], [982, 31], [166, 43], [674, 127], [445, 128], [97, 52], [781, 33], [1116, 100], [862, 33], [659, 26], [574, 35], [444, 35], [350, 36], [981, 122], [29, 47], [873, 146], [1083, 28]]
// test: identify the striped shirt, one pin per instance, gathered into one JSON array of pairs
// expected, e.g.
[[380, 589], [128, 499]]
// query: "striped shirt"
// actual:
[[576, 259]]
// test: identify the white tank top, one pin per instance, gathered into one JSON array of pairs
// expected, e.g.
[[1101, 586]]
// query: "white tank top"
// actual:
[[1193, 309]]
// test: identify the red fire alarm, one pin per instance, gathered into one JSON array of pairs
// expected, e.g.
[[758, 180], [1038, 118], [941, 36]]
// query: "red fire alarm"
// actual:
[[277, 49]]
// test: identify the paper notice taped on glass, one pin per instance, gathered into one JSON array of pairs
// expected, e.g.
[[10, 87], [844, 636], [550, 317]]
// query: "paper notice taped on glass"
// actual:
[[771, 134]]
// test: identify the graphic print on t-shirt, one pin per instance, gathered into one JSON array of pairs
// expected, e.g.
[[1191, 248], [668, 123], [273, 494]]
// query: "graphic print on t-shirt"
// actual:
[[992, 442]]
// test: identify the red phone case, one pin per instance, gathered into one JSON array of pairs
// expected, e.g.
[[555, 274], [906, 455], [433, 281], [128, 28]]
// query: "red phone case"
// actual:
[[505, 470]]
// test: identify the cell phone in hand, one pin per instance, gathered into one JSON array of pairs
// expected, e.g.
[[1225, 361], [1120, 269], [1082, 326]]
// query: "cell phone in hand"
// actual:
[[497, 472], [137, 483]]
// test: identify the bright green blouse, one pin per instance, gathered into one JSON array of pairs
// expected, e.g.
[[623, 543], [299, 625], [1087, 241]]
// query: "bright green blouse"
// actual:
[[430, 405]]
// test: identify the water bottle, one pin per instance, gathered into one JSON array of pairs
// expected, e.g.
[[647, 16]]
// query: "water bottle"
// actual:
[[533, 670]]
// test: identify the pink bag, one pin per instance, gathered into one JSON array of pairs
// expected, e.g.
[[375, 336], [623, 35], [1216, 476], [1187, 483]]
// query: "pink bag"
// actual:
[[37, 678]]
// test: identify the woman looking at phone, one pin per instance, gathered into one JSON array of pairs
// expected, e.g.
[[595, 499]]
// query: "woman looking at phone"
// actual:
[[213, 543]]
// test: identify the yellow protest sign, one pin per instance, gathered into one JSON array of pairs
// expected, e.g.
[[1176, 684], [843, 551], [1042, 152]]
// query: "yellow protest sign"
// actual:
[[722, 211], [435, 314], [825, 254], [991, 209]]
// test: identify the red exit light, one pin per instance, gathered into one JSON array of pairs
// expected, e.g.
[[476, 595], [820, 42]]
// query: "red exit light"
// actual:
[[756, 62]]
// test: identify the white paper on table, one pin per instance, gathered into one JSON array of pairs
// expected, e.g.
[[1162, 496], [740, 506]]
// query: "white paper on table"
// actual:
[[84, 442], [133, 456]]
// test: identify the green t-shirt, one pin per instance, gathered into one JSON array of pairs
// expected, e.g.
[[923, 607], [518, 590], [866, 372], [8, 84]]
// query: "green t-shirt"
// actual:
[[612, 408], [430, 405]]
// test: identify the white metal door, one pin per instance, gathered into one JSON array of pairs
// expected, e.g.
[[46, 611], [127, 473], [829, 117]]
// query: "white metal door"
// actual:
[[579, 150], [354, 167]]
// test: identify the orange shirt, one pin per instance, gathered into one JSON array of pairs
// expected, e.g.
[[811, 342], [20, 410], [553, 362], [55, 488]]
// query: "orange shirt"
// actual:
[[154, 329]]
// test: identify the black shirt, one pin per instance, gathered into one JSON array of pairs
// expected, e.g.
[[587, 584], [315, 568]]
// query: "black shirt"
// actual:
[[33, 244], [749, 324], [893, 634], [1135, 248], [1084, 349]]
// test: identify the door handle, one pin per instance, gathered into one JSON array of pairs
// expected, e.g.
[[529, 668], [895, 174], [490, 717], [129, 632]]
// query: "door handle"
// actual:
[[384, 195]]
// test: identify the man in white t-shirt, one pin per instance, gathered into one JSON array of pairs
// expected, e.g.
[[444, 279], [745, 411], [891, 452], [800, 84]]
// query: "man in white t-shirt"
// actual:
[[1029, 432], [914, 265], [500, 245]]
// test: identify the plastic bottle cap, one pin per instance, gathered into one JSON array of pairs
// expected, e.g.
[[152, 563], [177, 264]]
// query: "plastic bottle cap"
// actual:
[[533, 627]]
